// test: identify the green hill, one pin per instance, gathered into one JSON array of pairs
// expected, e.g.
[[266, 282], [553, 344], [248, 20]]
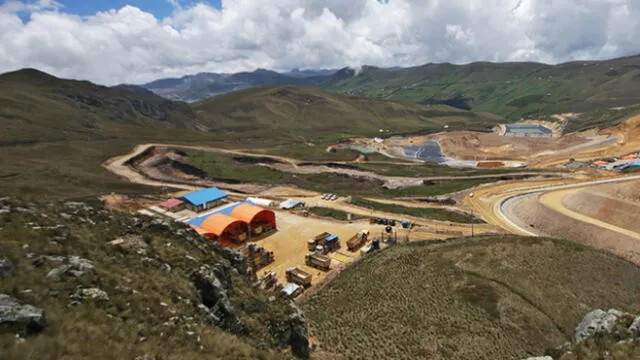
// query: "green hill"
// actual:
[[484, 298], [37, 107], [55, 133], [304, 112], [513, 90]]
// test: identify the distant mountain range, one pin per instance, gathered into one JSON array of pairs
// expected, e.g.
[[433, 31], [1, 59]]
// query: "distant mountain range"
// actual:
[[513, 90], [204, 85]]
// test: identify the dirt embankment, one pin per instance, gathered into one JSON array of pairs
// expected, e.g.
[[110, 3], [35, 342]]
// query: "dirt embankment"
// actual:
[[469, 145], [617, 204], [529, 212], [164, 164]]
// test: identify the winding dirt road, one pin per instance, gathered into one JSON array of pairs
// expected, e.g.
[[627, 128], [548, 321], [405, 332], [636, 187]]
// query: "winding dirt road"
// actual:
[[537, 209]]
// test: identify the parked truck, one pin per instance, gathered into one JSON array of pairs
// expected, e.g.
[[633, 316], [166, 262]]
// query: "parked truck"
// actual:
[[317, 240], [299, 276], [318, 261], [331, 243], [357, 240]]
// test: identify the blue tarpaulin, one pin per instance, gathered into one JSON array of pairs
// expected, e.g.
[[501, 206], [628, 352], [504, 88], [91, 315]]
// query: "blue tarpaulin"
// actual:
[[225, 210]]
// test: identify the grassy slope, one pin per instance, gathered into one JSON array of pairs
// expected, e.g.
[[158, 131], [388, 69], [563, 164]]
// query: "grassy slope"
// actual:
[[137, 284], [488, 298], [223, 167], [55, 133], [513, 90], [301, 114], [431, 213]]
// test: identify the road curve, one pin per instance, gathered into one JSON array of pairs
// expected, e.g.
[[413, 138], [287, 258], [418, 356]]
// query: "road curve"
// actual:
[[117, 165], [512, 226]]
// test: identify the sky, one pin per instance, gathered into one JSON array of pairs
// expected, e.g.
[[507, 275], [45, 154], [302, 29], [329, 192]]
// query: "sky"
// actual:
[[127, 41]]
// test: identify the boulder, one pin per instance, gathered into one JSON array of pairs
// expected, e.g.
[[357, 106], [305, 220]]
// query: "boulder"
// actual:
[[25, 319], [6, 268], [59, 272], [215, 298], [94, 294], [634, 329], [75, 266], [80, 264], [292, 332], [597, 322]]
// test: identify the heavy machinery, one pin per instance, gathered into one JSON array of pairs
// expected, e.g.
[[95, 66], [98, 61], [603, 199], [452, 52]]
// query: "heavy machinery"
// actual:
[[329, 242], [357, 240], [318, 261], [299, 276], [317, 240]]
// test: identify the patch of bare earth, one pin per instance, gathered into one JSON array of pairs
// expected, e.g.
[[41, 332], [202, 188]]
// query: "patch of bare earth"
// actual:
[[528, 212], [617, 204], [471, 145]]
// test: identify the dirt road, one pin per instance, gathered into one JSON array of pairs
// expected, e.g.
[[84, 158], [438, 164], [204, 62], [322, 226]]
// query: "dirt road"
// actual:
[[537, 209]]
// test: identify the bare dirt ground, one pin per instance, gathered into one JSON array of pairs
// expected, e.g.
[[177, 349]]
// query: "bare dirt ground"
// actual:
[[533, 212], [289, 243], [616, 204], [468, 145]]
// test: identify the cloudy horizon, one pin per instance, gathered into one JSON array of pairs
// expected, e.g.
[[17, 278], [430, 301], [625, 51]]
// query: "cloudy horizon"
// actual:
[[138, 42]]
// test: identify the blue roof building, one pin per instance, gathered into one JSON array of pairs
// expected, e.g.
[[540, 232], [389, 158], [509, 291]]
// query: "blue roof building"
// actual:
[[202, 199]]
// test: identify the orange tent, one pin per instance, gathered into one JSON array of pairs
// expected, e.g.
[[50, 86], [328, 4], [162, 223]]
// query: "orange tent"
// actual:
[[224, 226], [254, 215]]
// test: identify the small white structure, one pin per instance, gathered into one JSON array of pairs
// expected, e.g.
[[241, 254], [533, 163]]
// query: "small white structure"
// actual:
[[261, 202], [290, 204], [291, 290]]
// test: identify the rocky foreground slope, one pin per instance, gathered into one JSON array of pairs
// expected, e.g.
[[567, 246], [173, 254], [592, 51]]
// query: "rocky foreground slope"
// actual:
[[80, 281]]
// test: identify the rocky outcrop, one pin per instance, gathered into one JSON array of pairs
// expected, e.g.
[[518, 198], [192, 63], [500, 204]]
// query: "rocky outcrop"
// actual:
[[25, 319], [75, 266], [292, 332], [213, 284], [600, 332], [6, 268], [94, 294], [634, 329], [597, 322]]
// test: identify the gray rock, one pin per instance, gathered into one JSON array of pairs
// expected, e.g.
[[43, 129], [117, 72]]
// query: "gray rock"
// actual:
[[59, 272], [90, 294], [6, 268], [26, 319], [81, 264], [635, 326], [55, 259], [216, 305], [597, 322], [292, 332]]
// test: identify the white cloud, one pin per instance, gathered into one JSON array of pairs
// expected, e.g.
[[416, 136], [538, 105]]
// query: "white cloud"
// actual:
[[129, 45]]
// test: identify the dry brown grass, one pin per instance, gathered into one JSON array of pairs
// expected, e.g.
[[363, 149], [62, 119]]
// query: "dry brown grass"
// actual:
[[133, 322], [484, 298]]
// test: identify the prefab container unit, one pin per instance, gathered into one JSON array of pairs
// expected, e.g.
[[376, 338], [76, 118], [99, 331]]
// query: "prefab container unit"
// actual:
[[204, 199], [173, 205]]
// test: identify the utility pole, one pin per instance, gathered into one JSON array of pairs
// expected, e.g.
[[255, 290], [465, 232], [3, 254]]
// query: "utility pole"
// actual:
[[472, 234]]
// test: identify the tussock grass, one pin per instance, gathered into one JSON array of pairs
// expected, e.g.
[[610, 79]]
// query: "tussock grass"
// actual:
[[496, 298]]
